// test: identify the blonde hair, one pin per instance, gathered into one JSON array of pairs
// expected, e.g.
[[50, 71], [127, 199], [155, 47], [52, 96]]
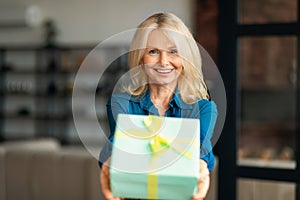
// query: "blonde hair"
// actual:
[[191, 85]]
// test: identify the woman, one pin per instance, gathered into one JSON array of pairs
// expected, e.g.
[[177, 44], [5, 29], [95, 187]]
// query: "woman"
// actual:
[[166, 80]]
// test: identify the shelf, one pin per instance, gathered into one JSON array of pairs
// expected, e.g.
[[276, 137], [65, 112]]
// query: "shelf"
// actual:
[[35, 95], [31, 116], [49, 117], [16, 136], [37, 72], [47, 99], [252, 123], [40, 95], [62, 47], [281, 164], [270, 89]]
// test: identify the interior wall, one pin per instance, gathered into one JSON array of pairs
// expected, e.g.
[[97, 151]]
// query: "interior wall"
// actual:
[[88, 21]]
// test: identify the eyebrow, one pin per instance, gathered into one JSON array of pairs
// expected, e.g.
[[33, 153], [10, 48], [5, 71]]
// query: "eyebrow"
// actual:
[[172, 47], [150, 47]]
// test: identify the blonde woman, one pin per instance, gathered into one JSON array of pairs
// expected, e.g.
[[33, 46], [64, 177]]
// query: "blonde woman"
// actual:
[[166, 80]]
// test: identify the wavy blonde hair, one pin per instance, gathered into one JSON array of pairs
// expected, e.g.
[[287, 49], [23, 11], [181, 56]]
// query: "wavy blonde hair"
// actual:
[[191, 85]]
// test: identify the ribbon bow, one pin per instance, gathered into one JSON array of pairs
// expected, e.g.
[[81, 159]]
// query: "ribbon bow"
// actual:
[[158, 143]]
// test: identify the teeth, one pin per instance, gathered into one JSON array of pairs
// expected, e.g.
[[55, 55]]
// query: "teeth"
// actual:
[[164, 70]]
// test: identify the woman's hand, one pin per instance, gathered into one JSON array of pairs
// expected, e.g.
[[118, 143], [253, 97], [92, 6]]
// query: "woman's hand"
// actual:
[[203, 182], [105, 181]]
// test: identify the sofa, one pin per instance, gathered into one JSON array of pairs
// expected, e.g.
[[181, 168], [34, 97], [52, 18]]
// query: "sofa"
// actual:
[[44, 170]]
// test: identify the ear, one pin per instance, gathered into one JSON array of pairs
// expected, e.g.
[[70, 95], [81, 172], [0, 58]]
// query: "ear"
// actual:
[[182, 71], [141, 63]]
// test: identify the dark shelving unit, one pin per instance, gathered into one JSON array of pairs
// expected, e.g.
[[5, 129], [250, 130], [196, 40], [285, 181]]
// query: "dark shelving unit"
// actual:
[[36, 85], [2, 64]]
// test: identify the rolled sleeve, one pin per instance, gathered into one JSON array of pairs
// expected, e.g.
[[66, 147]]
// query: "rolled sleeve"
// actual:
[[208, 117]]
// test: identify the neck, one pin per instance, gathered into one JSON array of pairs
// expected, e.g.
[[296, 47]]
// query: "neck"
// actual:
[[161, 95]]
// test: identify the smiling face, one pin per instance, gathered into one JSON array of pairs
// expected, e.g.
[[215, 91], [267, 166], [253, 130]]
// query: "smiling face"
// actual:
[[162, 63]]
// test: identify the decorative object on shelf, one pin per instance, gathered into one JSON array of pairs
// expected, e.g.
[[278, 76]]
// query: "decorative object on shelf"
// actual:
[[7, 67], [68, 88], [19, 87], [51, 88], [52, 64], [33, 16], [66, 61], [23, 111], [50, 33], [20, 16]]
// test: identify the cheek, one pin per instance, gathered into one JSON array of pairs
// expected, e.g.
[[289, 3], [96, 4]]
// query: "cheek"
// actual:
[[148, 60], [147, 69], [178, 63]]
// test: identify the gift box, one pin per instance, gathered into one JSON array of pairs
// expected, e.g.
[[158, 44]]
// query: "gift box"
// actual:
[[155, 157]]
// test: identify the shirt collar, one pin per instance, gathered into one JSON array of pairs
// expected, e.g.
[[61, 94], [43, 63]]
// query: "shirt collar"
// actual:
[[176, 101], [179, 102]]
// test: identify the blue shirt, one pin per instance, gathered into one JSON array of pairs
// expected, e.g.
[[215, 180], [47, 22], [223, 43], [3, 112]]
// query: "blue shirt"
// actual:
[[204, 110]]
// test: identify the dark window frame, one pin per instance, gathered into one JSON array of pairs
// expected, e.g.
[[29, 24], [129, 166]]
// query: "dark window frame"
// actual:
[[229, 31]]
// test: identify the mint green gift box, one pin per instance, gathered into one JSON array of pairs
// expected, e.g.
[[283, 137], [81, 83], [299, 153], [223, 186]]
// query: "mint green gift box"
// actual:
[[169, 171]]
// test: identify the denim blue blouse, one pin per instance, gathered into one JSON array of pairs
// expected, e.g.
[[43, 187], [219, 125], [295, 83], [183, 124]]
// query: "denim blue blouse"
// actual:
[[204, 110]]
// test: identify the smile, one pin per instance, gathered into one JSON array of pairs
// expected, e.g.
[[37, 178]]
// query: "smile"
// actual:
[[163, 71]]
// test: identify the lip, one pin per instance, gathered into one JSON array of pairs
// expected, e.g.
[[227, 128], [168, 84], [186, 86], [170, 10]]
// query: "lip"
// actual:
[[163, 71]]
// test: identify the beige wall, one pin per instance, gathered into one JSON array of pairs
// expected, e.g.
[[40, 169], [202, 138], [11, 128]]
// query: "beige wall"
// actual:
[[88, 21]]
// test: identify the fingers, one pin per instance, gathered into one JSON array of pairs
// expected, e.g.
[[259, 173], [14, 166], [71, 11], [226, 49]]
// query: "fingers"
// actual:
[[203, 186], [105, 182], [203, 182]]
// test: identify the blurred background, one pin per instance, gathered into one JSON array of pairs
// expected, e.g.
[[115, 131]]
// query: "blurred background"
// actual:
[[44, 43]]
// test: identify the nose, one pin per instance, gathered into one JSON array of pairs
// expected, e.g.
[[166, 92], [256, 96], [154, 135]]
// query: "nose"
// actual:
[[164, 58]]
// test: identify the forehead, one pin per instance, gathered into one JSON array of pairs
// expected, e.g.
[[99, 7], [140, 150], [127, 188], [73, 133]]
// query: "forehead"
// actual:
[[158, 39]]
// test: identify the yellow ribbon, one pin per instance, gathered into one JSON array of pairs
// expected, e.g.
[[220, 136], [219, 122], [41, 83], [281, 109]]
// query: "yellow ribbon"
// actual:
[[158, 143], [152, 186]]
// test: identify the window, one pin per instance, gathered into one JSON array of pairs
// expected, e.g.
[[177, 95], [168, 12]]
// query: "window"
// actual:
[[259, 61]]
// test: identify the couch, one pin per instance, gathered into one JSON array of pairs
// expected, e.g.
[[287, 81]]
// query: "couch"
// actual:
[[44, 170]]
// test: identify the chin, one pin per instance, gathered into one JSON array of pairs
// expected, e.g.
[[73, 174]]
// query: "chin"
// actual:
[[162, 83]]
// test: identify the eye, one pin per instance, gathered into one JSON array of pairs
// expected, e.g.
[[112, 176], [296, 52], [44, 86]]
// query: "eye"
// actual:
[[153, 51], [173, 51]]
